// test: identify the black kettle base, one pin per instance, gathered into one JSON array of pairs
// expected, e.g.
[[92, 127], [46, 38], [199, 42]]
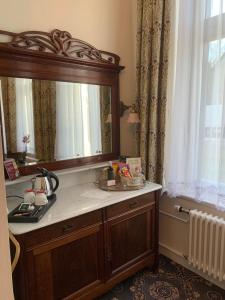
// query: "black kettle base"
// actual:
[[36, 214], [52, 197]]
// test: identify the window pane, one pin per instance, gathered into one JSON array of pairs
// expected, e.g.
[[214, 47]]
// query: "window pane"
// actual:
[[212, 109], [216, 7], [216, 52], [211, 141]]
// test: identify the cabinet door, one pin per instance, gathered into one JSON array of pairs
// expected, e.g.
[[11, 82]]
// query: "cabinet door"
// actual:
[[64, 267], [130, 238]]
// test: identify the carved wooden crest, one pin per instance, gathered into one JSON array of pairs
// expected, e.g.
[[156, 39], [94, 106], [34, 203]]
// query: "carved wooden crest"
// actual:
[[59, 43]]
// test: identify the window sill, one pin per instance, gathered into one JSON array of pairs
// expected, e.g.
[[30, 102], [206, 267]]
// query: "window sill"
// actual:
[[193, 200]]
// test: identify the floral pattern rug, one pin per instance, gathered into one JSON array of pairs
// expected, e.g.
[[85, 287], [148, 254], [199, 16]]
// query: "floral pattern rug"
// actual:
[[171, 282]]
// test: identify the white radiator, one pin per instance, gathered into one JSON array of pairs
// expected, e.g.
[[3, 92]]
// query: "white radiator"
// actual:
[[207, 244]]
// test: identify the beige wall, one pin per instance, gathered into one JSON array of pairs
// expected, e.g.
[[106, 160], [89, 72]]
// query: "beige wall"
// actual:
[[107, 24]]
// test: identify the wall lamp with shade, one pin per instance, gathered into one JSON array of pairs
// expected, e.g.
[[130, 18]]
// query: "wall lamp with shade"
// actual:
[[133, 117], [134, 122]]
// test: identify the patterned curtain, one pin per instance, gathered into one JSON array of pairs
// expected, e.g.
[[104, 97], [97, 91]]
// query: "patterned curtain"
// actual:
[[44, 102], [9, 107], [106, 130], [152, 66]]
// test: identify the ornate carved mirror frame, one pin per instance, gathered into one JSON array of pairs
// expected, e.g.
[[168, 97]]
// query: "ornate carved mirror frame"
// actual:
[[58, 56]]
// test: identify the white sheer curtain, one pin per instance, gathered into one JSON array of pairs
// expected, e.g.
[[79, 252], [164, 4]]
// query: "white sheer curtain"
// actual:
[[24, 114], [90, 98], [68, 112], [195, 145], [78, 123]]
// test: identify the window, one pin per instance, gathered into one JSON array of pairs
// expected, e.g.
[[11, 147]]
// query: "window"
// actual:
[[215, 8], [195, 150], [213, 81]]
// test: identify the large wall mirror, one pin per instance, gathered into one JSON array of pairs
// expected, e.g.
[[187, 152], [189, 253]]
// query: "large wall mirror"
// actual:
[[45, 121], [58, 109]]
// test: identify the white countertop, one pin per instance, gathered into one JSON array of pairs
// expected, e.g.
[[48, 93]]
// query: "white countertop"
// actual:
[[74, 201]]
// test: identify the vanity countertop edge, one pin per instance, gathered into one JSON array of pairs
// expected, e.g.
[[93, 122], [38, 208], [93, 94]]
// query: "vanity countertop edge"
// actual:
[[75, 201], [84, 168]]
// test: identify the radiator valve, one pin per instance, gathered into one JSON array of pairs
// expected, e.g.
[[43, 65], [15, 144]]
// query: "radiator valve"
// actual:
[[179, 208]]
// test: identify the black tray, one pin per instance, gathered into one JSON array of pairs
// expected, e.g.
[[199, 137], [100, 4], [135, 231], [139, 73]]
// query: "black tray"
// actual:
[[36, 215]]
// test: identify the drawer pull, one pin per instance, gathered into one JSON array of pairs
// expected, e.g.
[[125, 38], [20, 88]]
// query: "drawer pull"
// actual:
[[67, 227], [133, 204]]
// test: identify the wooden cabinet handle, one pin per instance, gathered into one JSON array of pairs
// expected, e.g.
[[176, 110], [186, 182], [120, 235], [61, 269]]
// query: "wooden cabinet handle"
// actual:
[[67, 227], [133, 204]]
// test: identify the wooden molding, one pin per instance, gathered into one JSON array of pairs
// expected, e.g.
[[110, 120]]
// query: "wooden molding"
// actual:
[[59, 43]]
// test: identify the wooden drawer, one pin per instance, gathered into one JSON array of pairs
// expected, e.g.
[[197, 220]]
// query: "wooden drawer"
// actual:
[[53, 231], [130, 204]]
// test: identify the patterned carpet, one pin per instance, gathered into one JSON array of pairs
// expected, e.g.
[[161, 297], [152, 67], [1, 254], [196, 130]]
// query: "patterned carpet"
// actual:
[[171, 282]]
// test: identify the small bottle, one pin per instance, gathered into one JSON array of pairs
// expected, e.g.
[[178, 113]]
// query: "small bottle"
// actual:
[[29, 196], [110, 177], [40, 198], [111, 174]]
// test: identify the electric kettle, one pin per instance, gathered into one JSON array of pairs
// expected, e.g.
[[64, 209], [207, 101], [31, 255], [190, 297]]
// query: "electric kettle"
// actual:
[[44, 182]]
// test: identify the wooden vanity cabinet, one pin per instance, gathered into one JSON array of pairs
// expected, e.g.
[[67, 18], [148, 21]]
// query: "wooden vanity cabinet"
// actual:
[[83, 257], [131, 232], [61, 261]]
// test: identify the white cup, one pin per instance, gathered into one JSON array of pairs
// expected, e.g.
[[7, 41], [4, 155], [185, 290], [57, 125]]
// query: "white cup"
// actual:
[[29, 196], [40, 198]]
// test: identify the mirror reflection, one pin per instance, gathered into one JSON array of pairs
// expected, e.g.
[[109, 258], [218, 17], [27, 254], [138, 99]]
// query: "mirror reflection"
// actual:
[[47, 121]]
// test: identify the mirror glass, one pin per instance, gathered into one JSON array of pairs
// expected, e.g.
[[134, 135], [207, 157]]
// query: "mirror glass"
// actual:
[[45, 121]]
